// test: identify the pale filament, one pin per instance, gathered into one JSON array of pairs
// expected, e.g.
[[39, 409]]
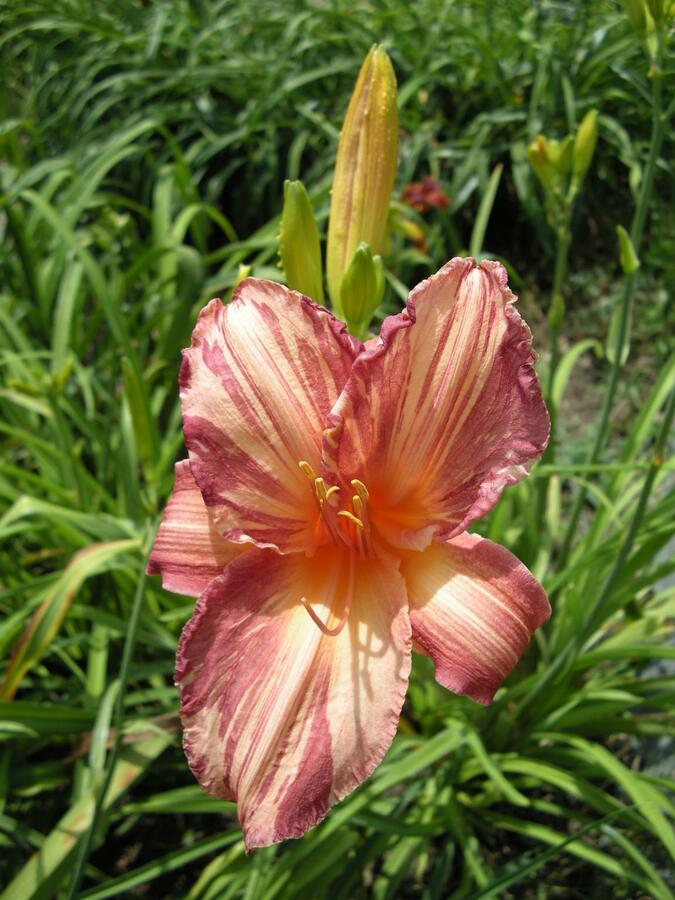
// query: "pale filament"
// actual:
[[333, 632]]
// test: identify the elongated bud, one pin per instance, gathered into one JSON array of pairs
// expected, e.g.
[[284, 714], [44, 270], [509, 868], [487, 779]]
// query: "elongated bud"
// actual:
[[627, 255], [365, 169], [657, 8], [584, 144], [362, 289], [635, 10], [299, 247]]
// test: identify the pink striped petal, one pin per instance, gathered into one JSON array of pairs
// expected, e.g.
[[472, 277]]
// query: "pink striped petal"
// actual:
[[188, 552], [277, 715], [473, 609], [443, 410], [256, 385]]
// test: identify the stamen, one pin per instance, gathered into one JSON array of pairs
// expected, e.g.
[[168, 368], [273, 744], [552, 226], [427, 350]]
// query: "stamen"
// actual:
[[322, 492], [333, 632], [330, 524], [351, 517], [307, 469], [361, 510], [358, 538], [360, 489]]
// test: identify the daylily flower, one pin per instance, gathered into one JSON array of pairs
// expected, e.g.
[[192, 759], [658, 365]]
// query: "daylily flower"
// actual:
[[321, 520]]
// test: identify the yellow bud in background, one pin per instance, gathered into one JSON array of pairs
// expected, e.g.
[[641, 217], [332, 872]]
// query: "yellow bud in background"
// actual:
[[362, 289], [299, 247], [584, 144], [365, 169], [635, 10], [243, 272], [538, 157]]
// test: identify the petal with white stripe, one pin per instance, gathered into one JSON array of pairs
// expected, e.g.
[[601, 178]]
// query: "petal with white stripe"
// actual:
[[189, 552], [443, 410], [283, 718], [256, 385], [473, 609]]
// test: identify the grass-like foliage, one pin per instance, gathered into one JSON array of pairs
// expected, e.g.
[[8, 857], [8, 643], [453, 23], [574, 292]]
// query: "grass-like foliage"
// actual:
[[143, 150]]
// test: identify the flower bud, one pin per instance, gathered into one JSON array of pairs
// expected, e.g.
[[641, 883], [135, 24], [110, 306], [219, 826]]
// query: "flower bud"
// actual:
[[657, 8], [365, 169], [627, 255], [538, 157], [561, 154], [584, 144], [635, 10], [299, 247], [243, 272], [362, 289]]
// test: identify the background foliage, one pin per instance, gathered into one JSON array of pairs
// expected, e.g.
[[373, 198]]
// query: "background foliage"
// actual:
[[143, 150]]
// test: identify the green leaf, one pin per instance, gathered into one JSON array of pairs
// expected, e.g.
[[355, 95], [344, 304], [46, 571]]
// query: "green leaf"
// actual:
[[484, 210], [45, 870], [47, 619]]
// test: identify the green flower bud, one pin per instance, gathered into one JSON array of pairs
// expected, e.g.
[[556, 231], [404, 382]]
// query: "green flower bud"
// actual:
[[362, 289], [627, 255], [657, 8], [635, 10], [299, 247], [584, 144], [561, 154]]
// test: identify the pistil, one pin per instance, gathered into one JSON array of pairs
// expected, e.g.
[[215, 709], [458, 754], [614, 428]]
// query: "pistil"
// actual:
[[333, 632]]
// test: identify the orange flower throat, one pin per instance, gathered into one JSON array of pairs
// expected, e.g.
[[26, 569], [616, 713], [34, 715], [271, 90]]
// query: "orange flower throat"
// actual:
[[348, 529]]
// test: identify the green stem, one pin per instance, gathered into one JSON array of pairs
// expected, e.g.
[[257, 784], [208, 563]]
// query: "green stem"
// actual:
[[659, 125], [556, 315], [555, 319]]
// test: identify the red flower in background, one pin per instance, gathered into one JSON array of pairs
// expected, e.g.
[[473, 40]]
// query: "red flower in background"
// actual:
[[425, 195]]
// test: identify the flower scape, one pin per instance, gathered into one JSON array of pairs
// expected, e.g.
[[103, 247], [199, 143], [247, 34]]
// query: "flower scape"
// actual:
[[321, 519]]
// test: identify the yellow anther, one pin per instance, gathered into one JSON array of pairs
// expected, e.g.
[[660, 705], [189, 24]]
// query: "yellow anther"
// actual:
[[307, 469], [360, 488], [351, 517], [320, 488], [357, 506], [332, 490]]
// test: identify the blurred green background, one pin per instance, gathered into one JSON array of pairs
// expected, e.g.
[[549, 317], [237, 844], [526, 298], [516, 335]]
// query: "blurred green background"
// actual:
[[143, 149]]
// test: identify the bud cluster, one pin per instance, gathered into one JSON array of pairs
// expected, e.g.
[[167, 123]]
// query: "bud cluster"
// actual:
[[561, 166], [363, 180]]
